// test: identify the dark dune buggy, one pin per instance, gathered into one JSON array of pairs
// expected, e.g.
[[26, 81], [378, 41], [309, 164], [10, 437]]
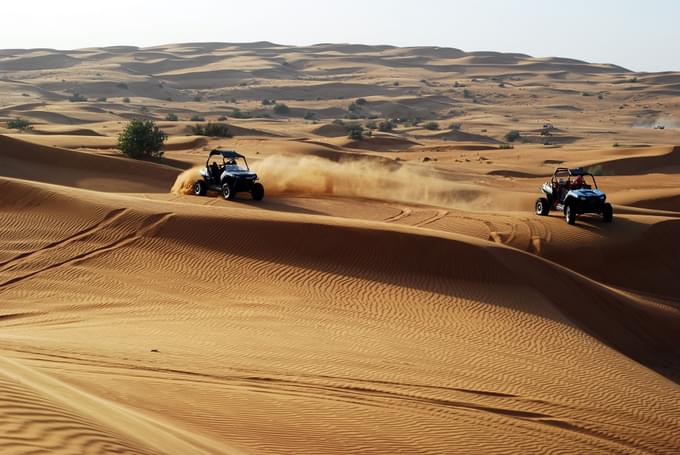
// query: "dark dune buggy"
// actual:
[[228, 177], [574, 192]]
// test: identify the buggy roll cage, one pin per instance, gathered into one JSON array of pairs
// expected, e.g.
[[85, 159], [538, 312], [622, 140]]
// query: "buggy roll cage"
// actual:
[[573, 172], [226, 154]]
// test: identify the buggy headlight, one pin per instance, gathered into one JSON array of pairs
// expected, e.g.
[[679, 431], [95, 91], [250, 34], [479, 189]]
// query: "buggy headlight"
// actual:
[[583, 198]]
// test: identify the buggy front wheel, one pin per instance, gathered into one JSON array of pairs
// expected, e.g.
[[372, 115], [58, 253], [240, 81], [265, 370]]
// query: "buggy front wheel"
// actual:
[[570, 214], [607, 213], [257, 192]]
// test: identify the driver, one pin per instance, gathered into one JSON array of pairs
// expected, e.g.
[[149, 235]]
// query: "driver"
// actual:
[[578, 182], [231, 162], [215, 171]]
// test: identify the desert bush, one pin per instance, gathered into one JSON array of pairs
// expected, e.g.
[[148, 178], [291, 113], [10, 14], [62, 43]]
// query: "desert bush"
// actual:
[[432, 126], [354, 107], [506, 146], [467, 93], [371, 125], [126, 100], [77, 98], [455, 126], [616, 144], [171, 117], [238, 113], [355, 131], [142, 138], [197, 118], [595, 170], [396, 83], [338, 121], [512, 136], [198, 98], [268, 102], [281, 109], [386, 127], [101, 99], [310, 116], [361, 101], [19, 124], [212, 130], [222, 118], [122, 85], [633, 80]]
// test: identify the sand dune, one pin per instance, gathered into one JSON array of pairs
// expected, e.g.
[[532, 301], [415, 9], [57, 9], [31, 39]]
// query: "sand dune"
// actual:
[[391, 294], [22, 160], [463, 396]]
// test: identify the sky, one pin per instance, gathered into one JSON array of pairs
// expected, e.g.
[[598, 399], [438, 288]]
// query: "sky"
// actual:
[[641, 35]]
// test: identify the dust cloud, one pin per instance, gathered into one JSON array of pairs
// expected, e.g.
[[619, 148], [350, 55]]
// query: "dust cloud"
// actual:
[[185, 181], [311, 175]]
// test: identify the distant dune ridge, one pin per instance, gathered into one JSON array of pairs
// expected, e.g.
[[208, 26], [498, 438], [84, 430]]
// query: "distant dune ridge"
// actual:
[[393, 292]]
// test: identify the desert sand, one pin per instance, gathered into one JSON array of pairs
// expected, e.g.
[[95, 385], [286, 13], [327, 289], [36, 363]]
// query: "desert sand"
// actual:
[[395, 294]]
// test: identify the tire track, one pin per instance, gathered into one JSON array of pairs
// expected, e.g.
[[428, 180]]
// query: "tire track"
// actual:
[[151, 224]]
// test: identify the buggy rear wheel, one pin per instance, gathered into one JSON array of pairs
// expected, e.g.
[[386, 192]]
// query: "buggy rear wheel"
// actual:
[[542, 206], [607, 213], [257, 192], [199, 188], [227, 192]]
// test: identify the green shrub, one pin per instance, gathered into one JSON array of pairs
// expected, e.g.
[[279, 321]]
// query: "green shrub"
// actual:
[[455, 126], [197, 118], [506, 146], [238, 113], [19, 124], [142, 138], [212, 130], [281, 109], [432, 126], [512, 136], [355, 131], [386, 127], [310, 116], [171, 117], [467, 93], [361, 101]]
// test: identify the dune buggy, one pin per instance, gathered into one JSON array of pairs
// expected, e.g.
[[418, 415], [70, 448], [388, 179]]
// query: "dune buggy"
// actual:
[[228, 176], [574, 192]]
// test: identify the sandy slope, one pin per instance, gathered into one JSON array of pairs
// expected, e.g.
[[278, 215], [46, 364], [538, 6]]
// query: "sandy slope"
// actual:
[[274, 328], [395, 294]]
